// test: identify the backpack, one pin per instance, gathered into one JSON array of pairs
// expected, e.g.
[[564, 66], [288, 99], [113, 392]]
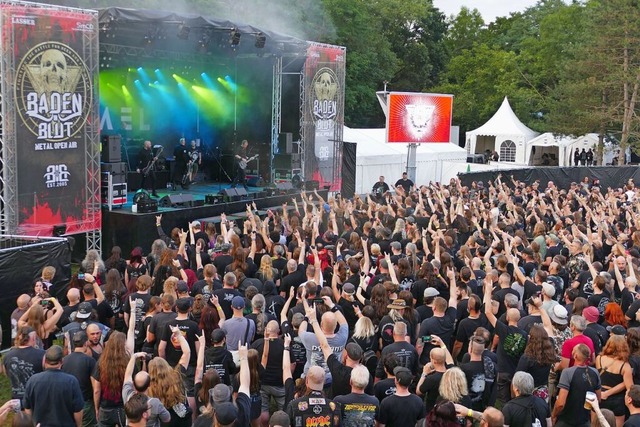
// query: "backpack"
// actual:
[[531, 412]]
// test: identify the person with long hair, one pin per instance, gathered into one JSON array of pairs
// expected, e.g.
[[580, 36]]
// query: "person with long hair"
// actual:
[[114, 291], [364, 334], [163, 270], [633, 341], [153, 259], [253, 358], [613, 315], [539, 355], [453, 387], [616, 375], [107, 381], [36, 317], [93, 264], [267, 272], [136, 265], [379, 301], [116, 261], [167, 384], [259, 317], [141, 337]]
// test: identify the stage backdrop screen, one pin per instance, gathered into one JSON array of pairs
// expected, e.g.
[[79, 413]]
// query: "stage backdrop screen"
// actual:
[[419, 117], [50, 116]]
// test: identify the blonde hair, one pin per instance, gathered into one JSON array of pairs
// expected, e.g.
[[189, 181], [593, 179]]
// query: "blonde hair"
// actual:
[[364, 328], [453, 385], [171, 286], [165, 383], [266, 267], [48, 272]]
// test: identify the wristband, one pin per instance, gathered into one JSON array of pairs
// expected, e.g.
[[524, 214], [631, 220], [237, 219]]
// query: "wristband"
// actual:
[[181, 268], [306, 319], [287, 348], [334, 308], [470, 413]]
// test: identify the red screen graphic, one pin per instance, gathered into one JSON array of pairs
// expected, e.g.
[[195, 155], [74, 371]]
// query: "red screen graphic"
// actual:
[[419, 117]]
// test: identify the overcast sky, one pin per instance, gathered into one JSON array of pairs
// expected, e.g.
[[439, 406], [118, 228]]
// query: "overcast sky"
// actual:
[[490, 9]]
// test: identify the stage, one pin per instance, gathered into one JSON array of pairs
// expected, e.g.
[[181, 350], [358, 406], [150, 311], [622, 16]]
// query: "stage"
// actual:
[[127, 229]]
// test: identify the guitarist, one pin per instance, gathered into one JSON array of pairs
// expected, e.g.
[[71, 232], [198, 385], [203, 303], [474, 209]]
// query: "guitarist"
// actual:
[[240, 155], [146, 160]]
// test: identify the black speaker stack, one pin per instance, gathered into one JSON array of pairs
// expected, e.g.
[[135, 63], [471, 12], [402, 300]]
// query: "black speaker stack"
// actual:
[[112, 169]]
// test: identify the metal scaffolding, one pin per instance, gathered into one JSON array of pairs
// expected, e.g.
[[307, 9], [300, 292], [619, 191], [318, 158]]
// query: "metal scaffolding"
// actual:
[[276, 112]]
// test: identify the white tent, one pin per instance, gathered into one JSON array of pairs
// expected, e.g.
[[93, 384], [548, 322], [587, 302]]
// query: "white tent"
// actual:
[[503, 133], [551, 145], [374, 157]]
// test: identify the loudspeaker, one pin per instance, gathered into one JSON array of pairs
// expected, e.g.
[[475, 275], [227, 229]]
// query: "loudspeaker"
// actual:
[[111, 148], [230, 192], [282, 161], [174, 200], [285, 143], [241, 192], [117, 168]]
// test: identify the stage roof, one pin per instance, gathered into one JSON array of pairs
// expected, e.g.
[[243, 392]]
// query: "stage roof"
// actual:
[[190, 33]]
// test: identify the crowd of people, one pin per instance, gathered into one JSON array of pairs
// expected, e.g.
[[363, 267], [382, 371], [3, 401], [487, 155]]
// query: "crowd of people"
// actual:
[[500, 303]]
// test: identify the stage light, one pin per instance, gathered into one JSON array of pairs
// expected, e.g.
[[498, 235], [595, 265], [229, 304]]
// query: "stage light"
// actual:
[[183, 32], [235, 37], [261, 39]]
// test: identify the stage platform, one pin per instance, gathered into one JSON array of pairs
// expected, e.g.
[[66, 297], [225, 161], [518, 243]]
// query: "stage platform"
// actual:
[[127, 229]]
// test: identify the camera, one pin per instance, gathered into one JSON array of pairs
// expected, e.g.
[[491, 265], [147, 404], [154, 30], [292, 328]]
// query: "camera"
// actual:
[[148, 357], [426, 338], [318, 301], [81, 276]]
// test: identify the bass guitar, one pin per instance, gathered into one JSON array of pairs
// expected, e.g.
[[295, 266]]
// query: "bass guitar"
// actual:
[[147, 169], [243, 163]]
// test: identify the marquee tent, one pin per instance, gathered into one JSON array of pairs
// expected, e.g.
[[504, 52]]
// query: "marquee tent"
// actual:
[[374, 157], [503, 133]]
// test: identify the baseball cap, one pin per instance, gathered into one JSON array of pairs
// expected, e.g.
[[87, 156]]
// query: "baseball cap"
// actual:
[[182, 287], [559, 314], [217, 336], [226, 413], [348, 288], [431, 292], [618, 330], [354, 351], [548, 289], [196, 224], [84, 310], [396, 245], [591, 314], [279, 419], [237, 302], [79, 338], [54, 355], [403, 375]]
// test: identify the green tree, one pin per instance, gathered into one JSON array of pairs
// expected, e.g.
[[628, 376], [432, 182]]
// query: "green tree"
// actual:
[[466, 29]]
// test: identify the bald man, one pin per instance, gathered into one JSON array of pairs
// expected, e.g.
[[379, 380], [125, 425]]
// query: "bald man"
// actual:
[[439, 361], [73, 296], [491, 417], [95, 340], [139, 385], [23, 302], [270, 352], [314, 405], [511, 344]]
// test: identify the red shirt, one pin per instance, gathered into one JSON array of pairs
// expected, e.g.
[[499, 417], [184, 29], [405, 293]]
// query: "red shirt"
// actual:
[[569, 345]]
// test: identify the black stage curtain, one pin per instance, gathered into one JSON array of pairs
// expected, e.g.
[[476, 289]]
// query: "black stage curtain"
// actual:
[[348, 169]]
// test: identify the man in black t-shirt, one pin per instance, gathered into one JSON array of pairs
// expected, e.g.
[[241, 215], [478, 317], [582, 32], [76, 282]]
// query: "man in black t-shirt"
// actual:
[[439, 361], [358, 408], [22, 361], [227, 293], [632, 401], [405, 353], [81, 366], [181, 156], [271, 377], [480, 371], [220, 359], [387, 386], [156, 330], [511, 345], [304, 410], [240, 155], [402, 408], [441, 324], [525, 408], [405, 183], [468, 326]]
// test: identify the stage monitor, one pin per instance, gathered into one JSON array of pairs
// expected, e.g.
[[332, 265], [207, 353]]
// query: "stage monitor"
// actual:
[[419, 117]]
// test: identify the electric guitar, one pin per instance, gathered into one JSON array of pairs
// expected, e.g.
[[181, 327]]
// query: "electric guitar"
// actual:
[[147, 169], [243, 163]]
